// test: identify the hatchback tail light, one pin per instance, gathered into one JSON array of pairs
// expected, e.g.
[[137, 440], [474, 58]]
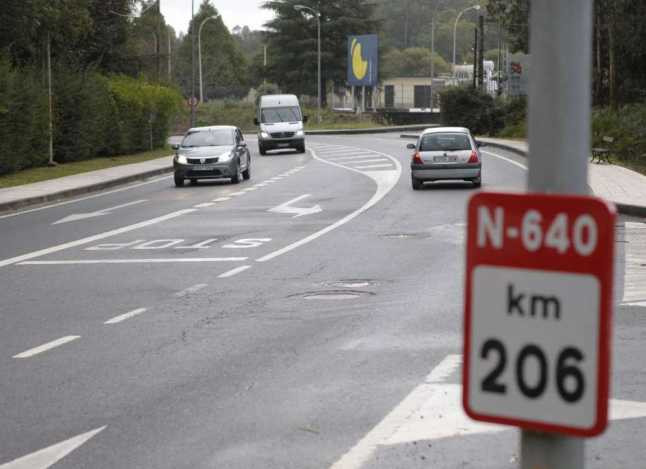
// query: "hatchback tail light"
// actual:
[[417, 158], [473, 158]]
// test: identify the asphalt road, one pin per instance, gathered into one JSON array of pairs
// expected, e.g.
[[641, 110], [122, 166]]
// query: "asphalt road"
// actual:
[[308, 318]]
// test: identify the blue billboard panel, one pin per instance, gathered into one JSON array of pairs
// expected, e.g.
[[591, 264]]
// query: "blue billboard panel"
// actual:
[[363, 60]]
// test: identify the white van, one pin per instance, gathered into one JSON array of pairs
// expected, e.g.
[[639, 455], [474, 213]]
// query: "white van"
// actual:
[[281, 123]]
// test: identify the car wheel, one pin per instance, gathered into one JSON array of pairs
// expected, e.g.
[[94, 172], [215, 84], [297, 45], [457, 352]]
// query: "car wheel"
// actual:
[[301, 148], [179, 180], [477, 182], [417, 184], [246, 174], [237, 179], [262, 150]]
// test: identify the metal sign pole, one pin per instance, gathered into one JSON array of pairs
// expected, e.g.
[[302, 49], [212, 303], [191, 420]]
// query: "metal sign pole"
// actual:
[[559, 137]]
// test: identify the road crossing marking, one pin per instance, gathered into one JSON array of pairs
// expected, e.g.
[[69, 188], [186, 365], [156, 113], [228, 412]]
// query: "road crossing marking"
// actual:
[[374, 166], [123, 317], [136, 261], [46, 347]]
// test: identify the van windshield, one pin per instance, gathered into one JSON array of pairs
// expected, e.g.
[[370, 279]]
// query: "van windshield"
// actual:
[[281, 114]]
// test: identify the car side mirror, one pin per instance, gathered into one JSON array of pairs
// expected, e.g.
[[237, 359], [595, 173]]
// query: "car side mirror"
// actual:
[[243, 144], [411, 146], [175, 146], [255, 121], [305, 119]]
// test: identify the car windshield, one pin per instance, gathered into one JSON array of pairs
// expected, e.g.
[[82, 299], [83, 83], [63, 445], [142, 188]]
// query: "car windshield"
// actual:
[[208, 138], [445, 142], [281, 114]]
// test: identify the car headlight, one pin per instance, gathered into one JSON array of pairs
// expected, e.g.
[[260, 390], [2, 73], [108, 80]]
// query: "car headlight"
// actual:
[[264, 134], [300, 133], [224, 157], [181, 159]]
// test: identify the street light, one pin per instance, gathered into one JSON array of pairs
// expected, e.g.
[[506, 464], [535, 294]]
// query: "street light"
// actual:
[[199, 51], [316, 13], [455, 29]]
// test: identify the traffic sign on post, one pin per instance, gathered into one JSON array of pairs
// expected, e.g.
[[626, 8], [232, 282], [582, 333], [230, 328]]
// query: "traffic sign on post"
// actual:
[[537, 311]]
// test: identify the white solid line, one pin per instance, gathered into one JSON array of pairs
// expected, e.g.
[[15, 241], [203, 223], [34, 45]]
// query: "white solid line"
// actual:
[[48, 346], [386, 181], [375, 166], [47, 457], [250, 189], [363, 450], [508, 160], [238, 193], [637, 303], [205, 205], [136, 261], [93, 196], [190, 290], [446, 368], [221, 199], [123, 317], [91, 239], [235, 271]]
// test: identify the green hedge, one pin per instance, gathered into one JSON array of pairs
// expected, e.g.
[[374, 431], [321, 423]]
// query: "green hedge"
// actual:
[[471, 108], [94, 115], [627, 125]]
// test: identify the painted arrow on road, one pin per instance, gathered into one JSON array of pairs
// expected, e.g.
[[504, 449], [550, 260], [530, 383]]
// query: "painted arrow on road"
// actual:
[[296, 211], [49, 456], [99, 213]]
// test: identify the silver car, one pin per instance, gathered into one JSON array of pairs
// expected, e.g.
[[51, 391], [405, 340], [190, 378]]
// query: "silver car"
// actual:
[[216, 152], [445, 153]]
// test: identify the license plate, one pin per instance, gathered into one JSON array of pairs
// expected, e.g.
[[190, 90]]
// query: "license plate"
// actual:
[[445, 159], [283, 145], [204, 167]]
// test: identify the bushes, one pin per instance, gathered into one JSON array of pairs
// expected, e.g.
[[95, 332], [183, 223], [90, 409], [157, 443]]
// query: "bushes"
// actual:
[[94, 115], [471, 108], [627, 125]]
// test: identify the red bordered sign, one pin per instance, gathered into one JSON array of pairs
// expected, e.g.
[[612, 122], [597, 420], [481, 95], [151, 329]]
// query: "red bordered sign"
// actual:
[[537, 311]]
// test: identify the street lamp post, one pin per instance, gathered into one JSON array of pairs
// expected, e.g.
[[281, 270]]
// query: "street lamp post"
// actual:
[[199, 52], [317, 14], [455, 29]]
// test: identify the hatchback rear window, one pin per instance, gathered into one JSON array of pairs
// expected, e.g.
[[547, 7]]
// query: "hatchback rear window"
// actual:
[[445, 142]]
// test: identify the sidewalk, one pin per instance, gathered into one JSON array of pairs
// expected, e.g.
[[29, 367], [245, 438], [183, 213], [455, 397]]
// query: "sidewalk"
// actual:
[[609, 181], [13, 198]]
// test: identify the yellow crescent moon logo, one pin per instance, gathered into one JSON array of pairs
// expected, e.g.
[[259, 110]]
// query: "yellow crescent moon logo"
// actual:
[[359, 65]]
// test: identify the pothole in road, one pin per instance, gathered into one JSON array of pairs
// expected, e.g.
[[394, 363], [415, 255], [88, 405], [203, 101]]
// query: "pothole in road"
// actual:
[[333, 295]]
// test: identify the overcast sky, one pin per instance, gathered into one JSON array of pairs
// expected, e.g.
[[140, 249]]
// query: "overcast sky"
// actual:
[[234, 12]]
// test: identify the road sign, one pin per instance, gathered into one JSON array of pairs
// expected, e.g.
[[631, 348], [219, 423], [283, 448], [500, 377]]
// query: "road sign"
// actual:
[[537, 311]]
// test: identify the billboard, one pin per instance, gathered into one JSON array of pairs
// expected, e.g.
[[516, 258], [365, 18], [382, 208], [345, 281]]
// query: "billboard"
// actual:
[[363, 60]]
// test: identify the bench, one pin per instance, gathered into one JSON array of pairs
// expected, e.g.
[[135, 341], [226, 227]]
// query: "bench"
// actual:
[[602, 154]]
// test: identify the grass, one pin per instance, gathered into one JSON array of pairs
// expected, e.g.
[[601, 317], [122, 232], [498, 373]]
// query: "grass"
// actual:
[[32, 175]]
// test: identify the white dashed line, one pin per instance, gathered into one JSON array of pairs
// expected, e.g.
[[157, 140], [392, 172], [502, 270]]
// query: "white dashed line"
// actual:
[[235, 271], [48, 346], [222, 199], [238, 193], [123, 317], [250, 189], [205, 205], [191, 290]]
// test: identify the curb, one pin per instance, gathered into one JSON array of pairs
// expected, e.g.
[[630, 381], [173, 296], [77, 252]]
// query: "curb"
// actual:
[[377, 130], [55, 196]]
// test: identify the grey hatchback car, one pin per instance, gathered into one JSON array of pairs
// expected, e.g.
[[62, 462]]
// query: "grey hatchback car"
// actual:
[[445, 153], [217, 152]]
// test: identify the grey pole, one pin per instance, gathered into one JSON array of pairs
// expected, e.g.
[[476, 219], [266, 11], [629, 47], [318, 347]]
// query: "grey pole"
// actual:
[[559, 137], [193, 63], [455, 29], [170, 69], [432, 54], [49, 97], [199, 52], [318, 24]]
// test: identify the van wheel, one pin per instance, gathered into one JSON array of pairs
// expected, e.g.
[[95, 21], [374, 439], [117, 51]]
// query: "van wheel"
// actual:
[[262, 150], [417, 184]]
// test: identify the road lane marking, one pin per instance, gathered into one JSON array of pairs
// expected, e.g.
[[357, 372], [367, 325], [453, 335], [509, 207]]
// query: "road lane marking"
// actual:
[[235, 194], [234, 272], [136, 261], [637, 303], [221, 199], [369, 160], [250, 189], [191, 290], [289, 209], [204, 205], [364, 449], [385, 180], [375, 166], [46, 347], [355, 156], [49, 456], [93, 196], [123, 317], [94, 238], [508, 160], [98, 213]]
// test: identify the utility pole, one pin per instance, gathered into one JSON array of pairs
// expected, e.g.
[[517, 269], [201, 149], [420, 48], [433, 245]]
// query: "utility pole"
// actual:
[[49, 97], [192, 63], [559, 138], [475, 59], [481, 54], [158, 46], [432, 55], [170, 71]]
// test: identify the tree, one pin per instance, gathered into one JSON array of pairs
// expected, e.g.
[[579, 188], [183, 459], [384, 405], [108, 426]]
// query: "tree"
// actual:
[[292, 41], [411, 62]]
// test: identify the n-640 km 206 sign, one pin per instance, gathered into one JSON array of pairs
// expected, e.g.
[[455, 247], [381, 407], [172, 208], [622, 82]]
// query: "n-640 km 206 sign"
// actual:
[[537, 311]]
